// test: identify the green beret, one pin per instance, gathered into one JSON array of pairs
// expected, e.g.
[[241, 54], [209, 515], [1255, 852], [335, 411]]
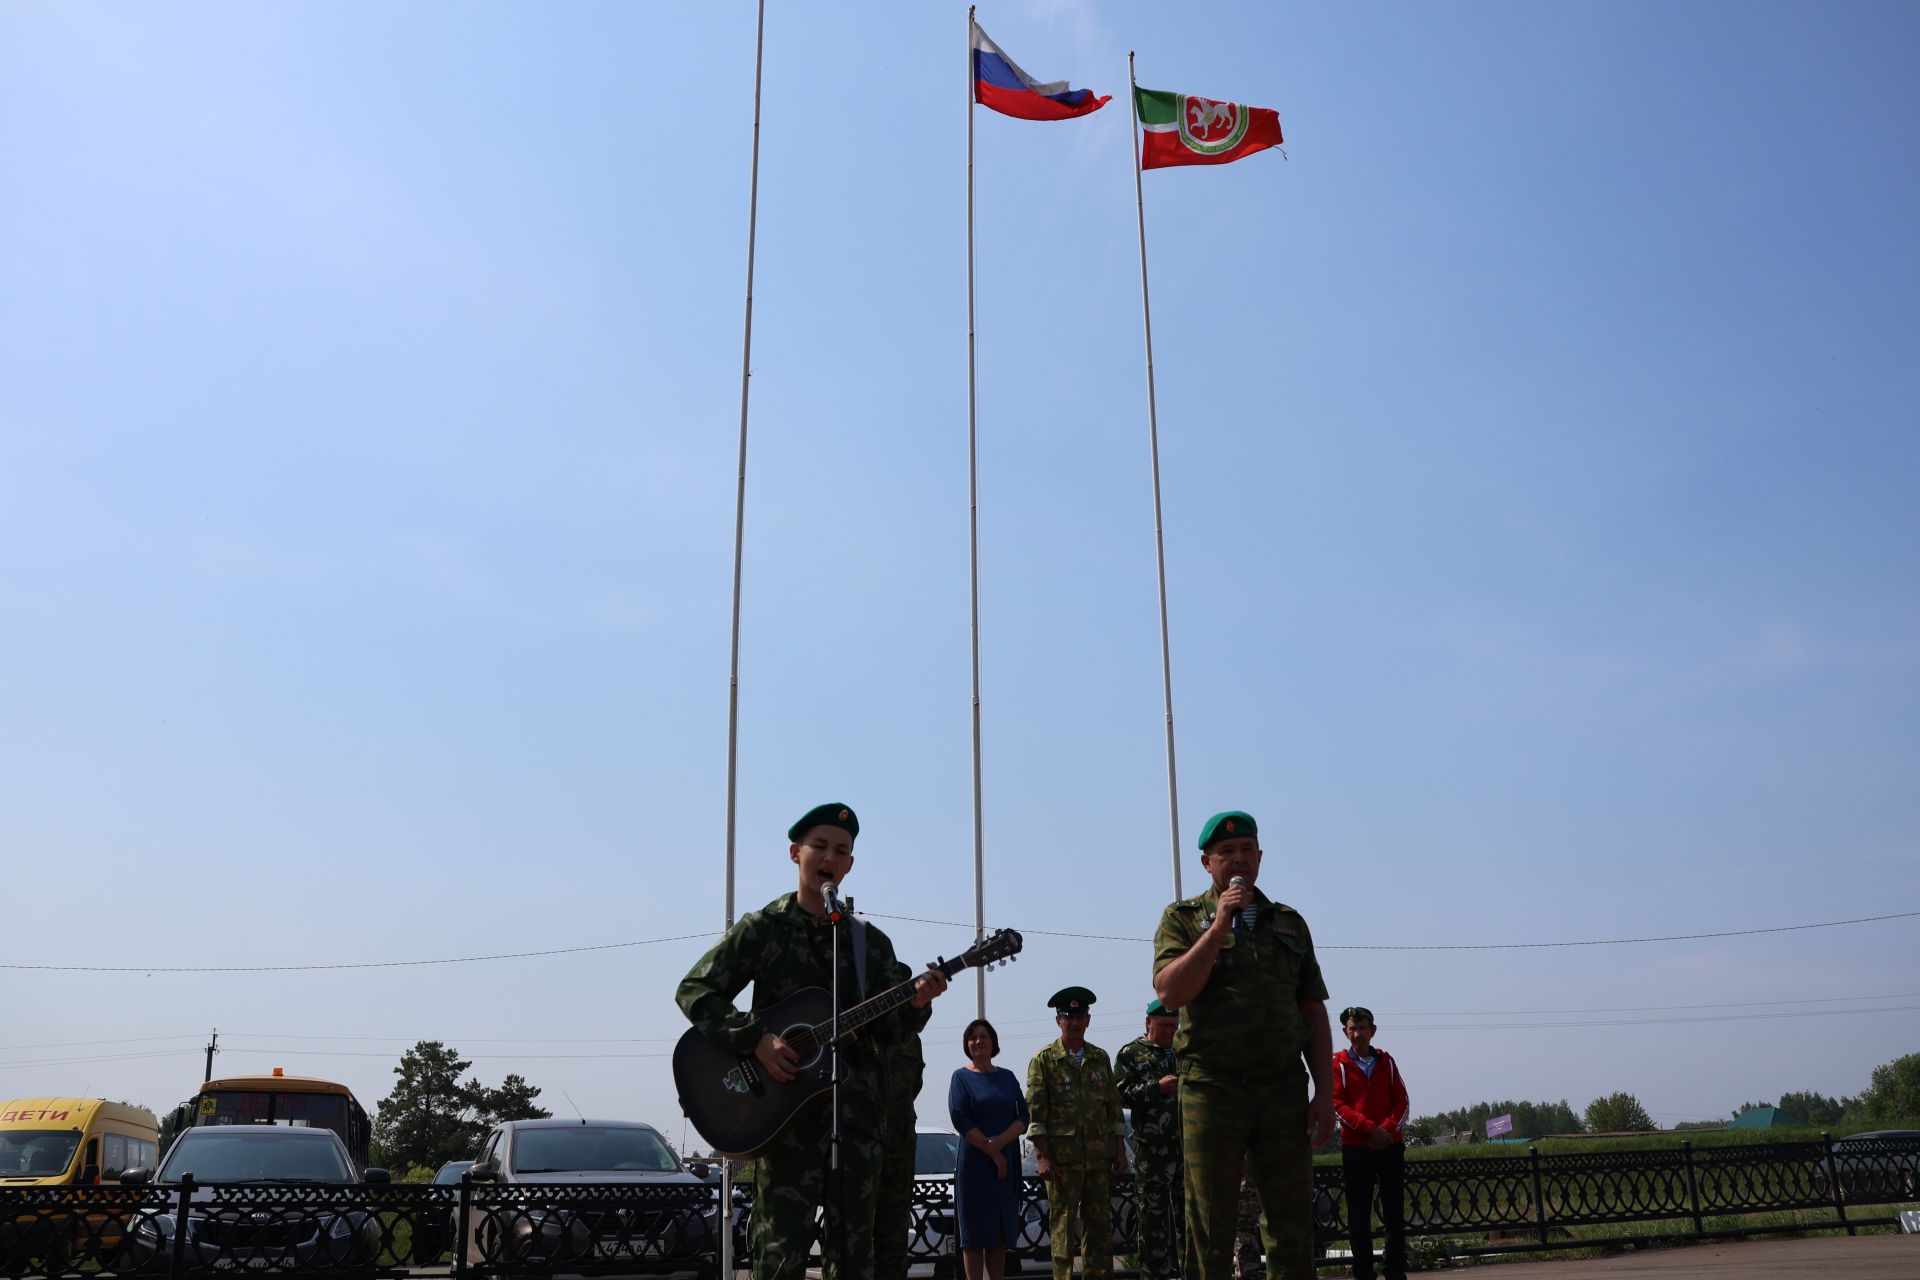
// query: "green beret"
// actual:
[[1071, 1000], [1227, 826], [825, 815], [1157, 1010]]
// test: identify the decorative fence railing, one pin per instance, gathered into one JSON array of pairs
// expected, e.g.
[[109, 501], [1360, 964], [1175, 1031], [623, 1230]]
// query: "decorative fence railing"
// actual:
[[480, 1231]]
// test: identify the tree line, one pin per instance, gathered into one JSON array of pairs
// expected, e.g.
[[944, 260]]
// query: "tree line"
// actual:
[[1892, 1096], [433, 1115]]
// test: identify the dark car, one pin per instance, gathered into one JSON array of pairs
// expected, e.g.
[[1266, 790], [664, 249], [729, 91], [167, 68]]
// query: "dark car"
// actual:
[[253, 1205], [1880, 1167], [433, 1224], [591, 1194]]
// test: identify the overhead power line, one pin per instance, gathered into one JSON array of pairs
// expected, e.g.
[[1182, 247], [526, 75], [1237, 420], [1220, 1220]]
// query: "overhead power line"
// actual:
[[951, 924], [1467, 946], [303, 1051]]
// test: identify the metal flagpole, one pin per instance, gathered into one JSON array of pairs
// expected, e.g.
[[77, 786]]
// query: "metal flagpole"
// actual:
[[1153, 442], [724, 1211], [973, 534]]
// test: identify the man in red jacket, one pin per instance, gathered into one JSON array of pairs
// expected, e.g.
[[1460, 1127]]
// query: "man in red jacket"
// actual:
[[1371, 1101]]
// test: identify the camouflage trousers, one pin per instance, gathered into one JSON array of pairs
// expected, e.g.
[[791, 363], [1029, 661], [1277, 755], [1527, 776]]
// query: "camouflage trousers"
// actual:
[[1162, 1210], [1080, 1212], [1228, 1125], [893, 1206], [796, 1178], [1249, 1231]]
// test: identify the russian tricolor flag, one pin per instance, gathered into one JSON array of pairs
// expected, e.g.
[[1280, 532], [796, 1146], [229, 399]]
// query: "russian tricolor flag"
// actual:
[[1000, 84]]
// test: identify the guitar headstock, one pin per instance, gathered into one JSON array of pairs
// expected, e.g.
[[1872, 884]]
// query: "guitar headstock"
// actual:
[[998, 947]]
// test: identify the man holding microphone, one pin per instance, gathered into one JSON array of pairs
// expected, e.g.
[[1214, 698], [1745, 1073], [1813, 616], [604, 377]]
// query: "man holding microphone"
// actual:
[[1241, 970]]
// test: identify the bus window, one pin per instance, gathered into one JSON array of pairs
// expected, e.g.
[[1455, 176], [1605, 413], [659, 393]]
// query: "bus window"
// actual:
[[116, 1161]]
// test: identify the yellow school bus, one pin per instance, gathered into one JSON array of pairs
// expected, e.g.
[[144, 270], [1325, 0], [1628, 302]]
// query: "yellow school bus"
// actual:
[[283, 1099], [48, 1142]]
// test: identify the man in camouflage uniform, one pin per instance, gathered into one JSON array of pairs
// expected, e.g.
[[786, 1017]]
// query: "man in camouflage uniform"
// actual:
[[893, 1212], [1150, 1088], [1242, 971], [781, 948], [1079, 1137]]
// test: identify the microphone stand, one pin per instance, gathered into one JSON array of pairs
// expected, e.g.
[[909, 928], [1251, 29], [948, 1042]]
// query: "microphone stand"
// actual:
[[835, 1143]]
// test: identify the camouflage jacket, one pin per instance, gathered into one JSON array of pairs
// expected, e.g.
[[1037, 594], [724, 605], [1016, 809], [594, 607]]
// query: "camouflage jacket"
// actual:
[[1156, 1115], [1075, 1107], [1246, 1022], [906, 1063], [780, 949]]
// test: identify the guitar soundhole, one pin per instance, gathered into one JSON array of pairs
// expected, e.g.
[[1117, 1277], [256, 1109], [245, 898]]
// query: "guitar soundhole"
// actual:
[[802, 1041]]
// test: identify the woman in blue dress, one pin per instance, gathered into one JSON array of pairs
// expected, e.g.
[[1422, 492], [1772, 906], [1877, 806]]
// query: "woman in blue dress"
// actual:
[[989, 1111]]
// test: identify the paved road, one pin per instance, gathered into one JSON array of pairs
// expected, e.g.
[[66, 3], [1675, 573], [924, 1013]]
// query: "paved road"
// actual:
[[1876, 1257]]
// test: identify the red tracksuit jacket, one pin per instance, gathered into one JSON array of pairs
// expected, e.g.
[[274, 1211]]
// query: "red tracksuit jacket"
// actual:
[[1365, 1103]]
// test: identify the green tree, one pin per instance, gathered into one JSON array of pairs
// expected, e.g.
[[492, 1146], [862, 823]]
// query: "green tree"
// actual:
[[1818, 1108], [1618, 1113], [1745, 1107], [1893, 1091], [513, 1100], [426, 1120]]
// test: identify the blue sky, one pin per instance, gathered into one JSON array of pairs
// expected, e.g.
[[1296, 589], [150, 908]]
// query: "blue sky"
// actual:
[[1538, 450]]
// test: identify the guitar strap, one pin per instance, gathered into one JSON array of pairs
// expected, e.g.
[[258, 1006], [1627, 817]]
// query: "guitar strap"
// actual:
[[859, 928]]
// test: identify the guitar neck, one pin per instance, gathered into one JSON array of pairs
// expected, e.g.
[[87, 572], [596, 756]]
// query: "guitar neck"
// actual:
[[866, 1011]]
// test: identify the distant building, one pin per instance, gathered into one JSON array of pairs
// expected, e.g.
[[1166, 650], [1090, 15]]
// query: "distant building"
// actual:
[[1767, 1118]]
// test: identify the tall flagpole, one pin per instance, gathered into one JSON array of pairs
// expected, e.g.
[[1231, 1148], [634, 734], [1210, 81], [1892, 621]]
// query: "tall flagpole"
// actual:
[[973, 543], [1153, 443], [724, 1216]]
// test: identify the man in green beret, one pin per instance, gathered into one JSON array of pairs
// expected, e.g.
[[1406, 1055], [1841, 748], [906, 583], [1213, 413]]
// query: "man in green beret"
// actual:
[[1079, 1137], [783, 947], [1150, 1088], [1241, 970]]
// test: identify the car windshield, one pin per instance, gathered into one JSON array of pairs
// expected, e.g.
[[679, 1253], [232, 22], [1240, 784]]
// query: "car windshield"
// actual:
[[259, 1155], [36, 1153], [449, 1174], [936, 1152], [589, 1148]]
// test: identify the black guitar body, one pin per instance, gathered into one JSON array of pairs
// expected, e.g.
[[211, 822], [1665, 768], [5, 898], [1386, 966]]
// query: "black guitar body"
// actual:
[[734, 1104]]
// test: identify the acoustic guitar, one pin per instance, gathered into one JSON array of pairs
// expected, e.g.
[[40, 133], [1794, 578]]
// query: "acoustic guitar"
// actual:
[[739, 1109]]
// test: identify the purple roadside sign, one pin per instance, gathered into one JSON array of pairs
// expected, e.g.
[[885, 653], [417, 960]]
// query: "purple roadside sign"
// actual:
[[1499, 1126]]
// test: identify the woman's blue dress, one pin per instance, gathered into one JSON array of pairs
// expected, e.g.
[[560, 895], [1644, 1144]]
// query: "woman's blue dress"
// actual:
[[987, 1206]]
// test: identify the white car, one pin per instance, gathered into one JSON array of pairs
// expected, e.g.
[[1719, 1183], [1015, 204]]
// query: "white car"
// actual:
[[932, 1246]]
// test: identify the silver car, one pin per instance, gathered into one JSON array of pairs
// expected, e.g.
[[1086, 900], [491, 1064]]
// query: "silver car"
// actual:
[[559, 1191]]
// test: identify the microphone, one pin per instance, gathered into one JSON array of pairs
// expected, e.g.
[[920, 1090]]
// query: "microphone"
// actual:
[[1244, 918], [1238, 882], [831, 892]]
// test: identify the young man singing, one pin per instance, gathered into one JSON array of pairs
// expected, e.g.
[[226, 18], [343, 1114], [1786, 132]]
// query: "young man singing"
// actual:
[[779, 949]]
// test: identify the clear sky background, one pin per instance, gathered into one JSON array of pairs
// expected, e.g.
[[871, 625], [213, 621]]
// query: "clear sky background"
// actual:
[[1540, 463]]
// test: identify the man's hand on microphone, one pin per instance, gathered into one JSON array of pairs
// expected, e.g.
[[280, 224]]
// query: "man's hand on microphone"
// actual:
[[1233, 900], [777, 1056]]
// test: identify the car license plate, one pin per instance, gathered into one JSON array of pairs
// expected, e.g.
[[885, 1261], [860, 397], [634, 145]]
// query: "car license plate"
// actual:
[[612, 1248]]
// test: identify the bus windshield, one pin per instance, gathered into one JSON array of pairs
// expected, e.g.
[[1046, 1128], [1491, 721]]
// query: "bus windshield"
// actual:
[[36, 1153], [302, 1110]]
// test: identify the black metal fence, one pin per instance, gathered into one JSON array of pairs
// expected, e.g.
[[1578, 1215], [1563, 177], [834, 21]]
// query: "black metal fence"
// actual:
[[479, 1231]]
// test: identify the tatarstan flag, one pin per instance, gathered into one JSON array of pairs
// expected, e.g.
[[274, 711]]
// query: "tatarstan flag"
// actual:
[[1180, 128]]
